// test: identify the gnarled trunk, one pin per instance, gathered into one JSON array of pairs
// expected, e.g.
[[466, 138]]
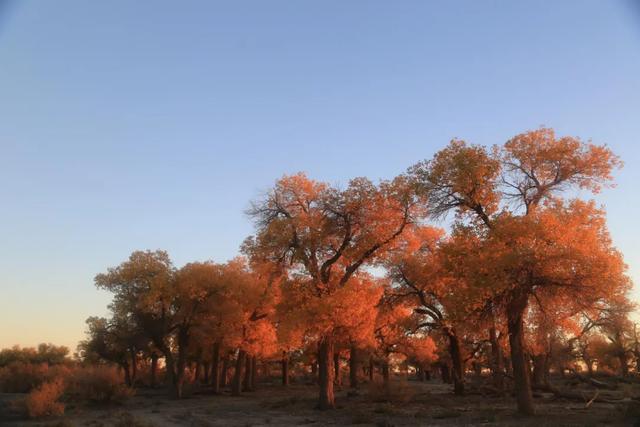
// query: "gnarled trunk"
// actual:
[[515, 314], [326, 371]]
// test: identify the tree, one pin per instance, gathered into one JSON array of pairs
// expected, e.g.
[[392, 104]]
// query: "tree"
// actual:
[[419, 276], [513, 180], [165, 304], [324, 236]]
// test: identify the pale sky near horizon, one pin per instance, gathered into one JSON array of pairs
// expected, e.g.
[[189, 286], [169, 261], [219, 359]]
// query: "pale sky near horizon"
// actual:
[[142, 125]]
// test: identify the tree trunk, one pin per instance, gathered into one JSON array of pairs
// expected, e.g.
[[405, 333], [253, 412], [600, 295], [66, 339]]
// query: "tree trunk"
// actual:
[[336, 367], [353, 367], [371, 366], [206, 366], [127, 373], [589, 364], [385, 372], [624, 365], [248, 371], [215, 367], [497, 365], [154, 369], [134, 364], [183, 342], [198, 373], [539, 370], [457, 364], [254, 372], [326, 371], [421, 374], [170, 368], [515, 313], [225, 371], [445, 373], [285, 369], [236, 385], [477, 370]]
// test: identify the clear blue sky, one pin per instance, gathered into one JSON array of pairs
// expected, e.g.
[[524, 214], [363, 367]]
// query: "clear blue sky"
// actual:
[[131, 125]]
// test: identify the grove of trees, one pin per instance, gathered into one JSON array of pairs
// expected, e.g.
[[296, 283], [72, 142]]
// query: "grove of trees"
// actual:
[[364, 279]]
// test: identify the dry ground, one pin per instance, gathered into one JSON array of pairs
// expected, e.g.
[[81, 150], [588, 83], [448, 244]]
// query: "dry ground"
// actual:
[[414, 404]]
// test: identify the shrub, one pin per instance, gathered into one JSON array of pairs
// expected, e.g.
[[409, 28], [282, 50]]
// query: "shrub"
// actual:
[[97, 384], [43, 401], [20, 377]]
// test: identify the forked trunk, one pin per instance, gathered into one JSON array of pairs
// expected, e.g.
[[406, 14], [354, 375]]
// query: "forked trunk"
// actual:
[[515, 313], [336, 367], [326, 371]]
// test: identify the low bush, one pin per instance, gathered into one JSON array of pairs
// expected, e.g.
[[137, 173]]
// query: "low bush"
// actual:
[[49, 387], [45, 400], [100, 384], [21, 377]]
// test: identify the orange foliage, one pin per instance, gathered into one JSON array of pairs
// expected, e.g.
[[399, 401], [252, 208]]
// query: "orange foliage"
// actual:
[[44, 401]]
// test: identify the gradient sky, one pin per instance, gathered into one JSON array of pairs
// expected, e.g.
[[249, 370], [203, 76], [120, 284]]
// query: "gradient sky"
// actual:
[[140, 125]]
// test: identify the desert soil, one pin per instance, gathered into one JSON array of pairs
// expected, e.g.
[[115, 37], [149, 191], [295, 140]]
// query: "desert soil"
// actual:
[[414, 404]]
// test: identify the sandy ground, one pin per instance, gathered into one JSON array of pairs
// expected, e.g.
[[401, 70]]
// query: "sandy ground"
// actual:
[[414, 404]]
